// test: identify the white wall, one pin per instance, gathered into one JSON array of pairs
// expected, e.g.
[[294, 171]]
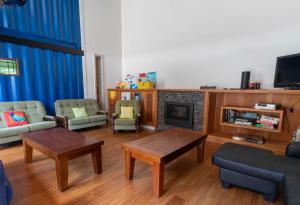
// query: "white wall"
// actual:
[[101, 34], [194, 42]]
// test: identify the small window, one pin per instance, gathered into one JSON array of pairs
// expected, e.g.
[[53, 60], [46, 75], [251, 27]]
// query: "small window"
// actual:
[[9, 66]]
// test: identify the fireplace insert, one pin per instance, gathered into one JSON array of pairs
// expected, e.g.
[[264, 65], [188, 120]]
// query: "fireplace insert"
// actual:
[[179, 114]]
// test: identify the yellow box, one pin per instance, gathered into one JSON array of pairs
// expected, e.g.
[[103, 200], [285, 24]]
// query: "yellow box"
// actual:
[[145, 85]]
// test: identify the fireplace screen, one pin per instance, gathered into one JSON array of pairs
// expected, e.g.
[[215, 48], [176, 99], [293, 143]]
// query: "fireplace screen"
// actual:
[[179, 114]]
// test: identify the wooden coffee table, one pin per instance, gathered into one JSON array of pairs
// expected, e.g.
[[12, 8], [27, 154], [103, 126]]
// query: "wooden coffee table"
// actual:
[[62, 145], [160, 149]]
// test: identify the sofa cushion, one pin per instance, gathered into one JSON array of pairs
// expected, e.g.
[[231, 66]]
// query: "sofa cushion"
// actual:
[[248, 160], [12, 131], [124, 121], [79, 112], [97, 118], [291, 186], [14, 118], [79, 121], [42, 125]]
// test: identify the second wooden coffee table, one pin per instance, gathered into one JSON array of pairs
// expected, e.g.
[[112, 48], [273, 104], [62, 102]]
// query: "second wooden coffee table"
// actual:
[[160, 149], [62, 145]]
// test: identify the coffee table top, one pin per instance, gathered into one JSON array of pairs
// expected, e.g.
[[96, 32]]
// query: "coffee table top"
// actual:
[[59, 140], [164, 144]]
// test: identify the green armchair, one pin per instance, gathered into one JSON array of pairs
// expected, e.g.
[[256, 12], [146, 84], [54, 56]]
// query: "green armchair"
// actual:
[[126, 124]]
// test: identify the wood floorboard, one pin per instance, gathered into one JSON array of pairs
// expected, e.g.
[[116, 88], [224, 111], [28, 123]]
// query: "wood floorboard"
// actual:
[[186, 182]]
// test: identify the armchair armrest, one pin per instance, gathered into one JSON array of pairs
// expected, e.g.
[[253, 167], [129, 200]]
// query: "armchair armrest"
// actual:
[[62, 121], [293, 150], [138, 122], [49, 118], [102, 112], [114, 116]]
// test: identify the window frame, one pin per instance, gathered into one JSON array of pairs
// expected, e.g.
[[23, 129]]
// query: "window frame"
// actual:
[[17, 67]]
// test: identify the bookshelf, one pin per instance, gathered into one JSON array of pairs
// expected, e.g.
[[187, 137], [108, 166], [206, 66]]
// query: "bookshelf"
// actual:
[[276, 140], [273, 113]]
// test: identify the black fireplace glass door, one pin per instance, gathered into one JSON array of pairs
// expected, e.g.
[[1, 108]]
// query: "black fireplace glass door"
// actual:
[[179, 114]]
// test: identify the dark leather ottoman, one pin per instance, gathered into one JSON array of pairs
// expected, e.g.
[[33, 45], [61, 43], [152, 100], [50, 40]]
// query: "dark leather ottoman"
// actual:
[[250, 168]]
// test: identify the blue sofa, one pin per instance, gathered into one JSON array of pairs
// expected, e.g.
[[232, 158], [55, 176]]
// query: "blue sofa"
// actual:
[[5, 188]]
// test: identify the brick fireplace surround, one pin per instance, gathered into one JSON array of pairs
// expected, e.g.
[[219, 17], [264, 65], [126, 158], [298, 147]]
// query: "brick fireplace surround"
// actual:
[[197, 98]]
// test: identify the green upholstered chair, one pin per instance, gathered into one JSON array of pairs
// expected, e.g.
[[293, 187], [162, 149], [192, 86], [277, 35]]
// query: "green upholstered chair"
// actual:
[[66, 118], [127, 124], [35, 115]]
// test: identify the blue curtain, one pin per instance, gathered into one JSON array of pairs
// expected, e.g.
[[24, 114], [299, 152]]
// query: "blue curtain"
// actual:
[[45, 75]]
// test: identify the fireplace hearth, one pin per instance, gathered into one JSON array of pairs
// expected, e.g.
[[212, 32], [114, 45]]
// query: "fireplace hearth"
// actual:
[[179, 114]]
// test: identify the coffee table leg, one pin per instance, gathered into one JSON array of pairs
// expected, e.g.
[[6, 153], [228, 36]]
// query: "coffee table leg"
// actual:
[[97, 160], [158, 170], [129, 165], [27, 152], [62, 173], [200, 151]]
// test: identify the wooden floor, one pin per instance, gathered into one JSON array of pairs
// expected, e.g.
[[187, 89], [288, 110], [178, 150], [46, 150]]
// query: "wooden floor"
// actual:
[[186, 182]]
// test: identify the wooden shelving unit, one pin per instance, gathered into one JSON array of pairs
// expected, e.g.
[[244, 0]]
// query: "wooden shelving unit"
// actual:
[[274, 113], [244, 100], [277, 147]]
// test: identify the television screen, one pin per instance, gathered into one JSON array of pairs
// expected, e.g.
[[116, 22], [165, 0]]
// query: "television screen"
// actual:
[[287, 72]]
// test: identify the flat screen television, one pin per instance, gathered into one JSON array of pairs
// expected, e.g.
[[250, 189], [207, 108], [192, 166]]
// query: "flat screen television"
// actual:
[[287, 72]]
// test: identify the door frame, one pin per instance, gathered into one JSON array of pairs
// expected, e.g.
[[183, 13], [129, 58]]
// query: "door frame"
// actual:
[[102, 99]]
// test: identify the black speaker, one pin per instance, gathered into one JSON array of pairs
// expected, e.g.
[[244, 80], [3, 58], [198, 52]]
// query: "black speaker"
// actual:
[[245, 80]]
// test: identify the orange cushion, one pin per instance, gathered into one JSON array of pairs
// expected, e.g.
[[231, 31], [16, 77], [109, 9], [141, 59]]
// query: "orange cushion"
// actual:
[[14, 118]]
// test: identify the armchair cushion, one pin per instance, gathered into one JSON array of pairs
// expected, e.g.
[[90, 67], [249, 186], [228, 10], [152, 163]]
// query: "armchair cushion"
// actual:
[[42, 125], [126, 113], [293, 150], [120, 121], [128, 103]]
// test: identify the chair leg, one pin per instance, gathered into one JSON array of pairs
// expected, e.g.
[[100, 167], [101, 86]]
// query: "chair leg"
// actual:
[[269, 198], [225, 185]]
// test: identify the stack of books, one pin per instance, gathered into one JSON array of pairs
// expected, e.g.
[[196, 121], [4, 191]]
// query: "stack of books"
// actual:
[[250, 138], [268, 122], [240, 121]]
